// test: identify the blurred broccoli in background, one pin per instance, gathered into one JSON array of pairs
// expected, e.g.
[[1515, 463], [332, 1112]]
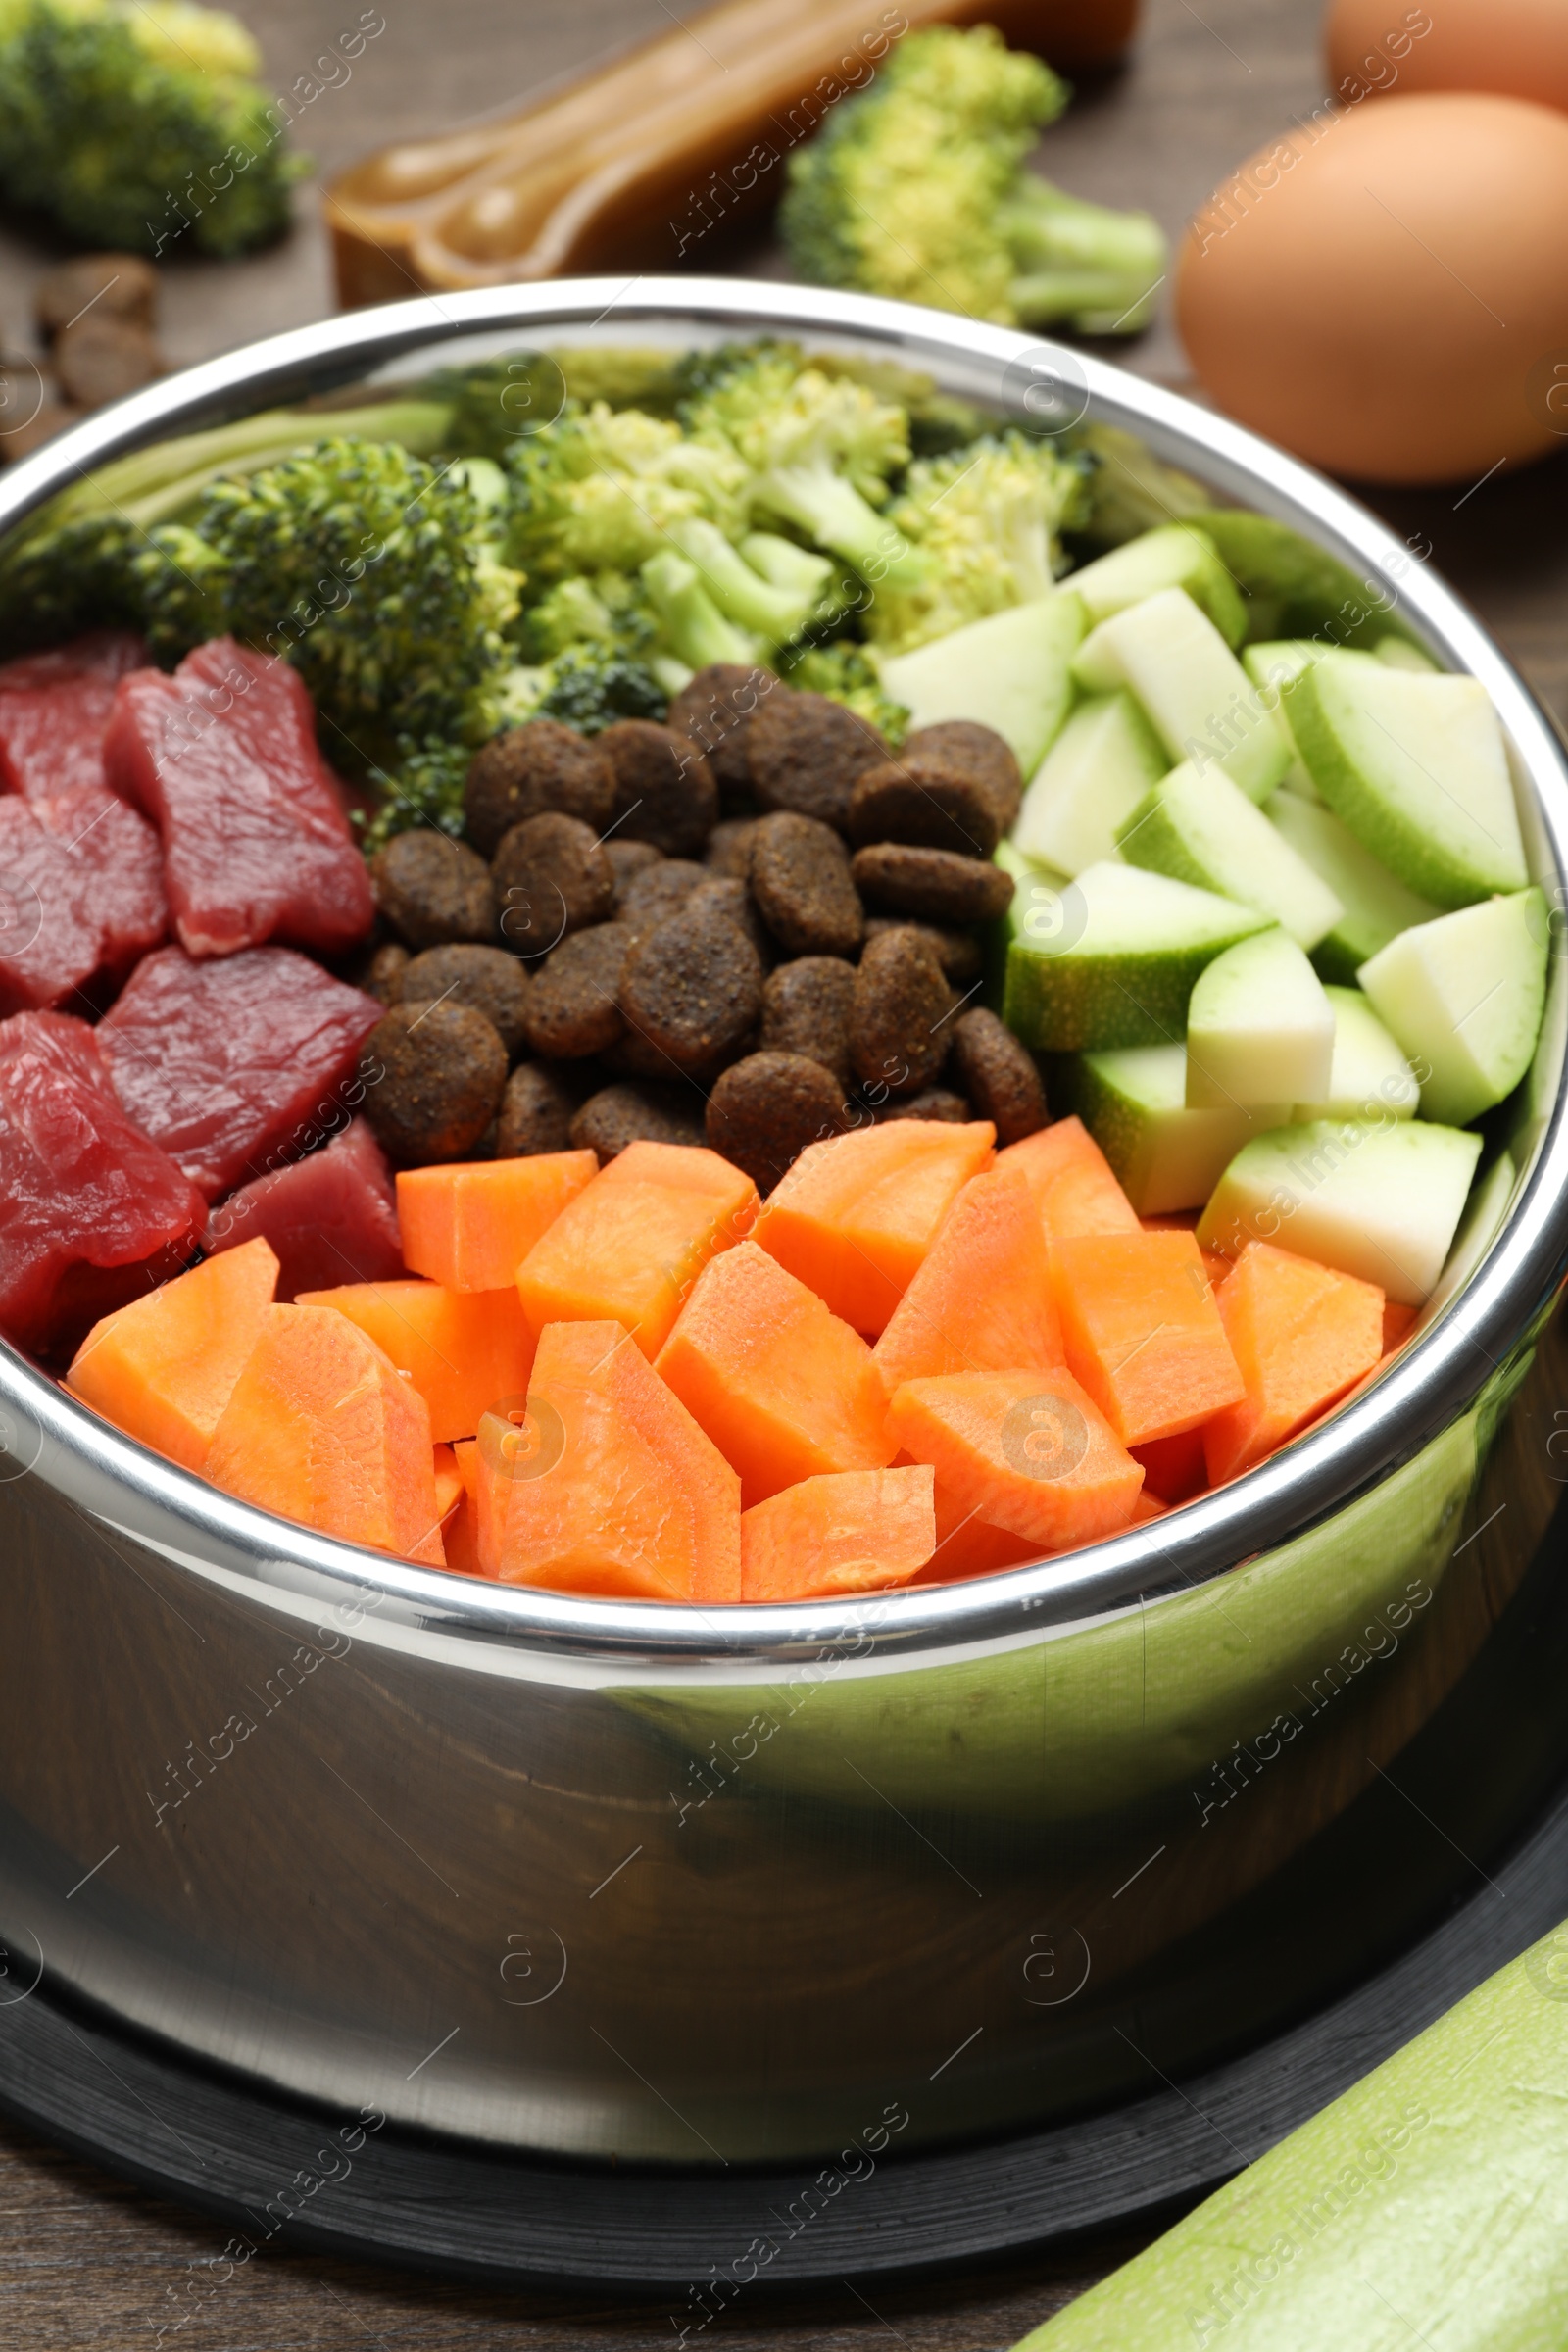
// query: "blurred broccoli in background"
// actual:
[[843, 670], [600, 489], [987, 520], [916, 188], [130, 122]]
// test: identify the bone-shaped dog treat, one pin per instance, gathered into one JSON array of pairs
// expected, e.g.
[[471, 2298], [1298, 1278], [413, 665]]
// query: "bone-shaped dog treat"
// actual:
[[631, 166]]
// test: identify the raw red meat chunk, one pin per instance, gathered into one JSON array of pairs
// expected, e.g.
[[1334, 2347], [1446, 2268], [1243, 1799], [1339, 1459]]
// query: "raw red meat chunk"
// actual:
[[91, 1212], [54, 710], [238, 1066], [81, 893], [223, 758], [330, 1219]]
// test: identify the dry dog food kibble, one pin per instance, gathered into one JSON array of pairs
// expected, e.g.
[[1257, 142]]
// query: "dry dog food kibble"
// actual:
[[934, 885], [729, 847], [433, 1078], [800, 879], [931, 1102], [571, 1003], [551, 877], [999, 1075], [433, 890], [691, 990], [805, 1009], [536, 1112], [926, 801], [722, 894], [958, 952], [637, 1112], [666, 791], [805, 753], [653, 896], [764, 1110], [493, 982], [979, 751], [899, 1033], [533, 767], [627, 860], [714, 710], [384, 976]]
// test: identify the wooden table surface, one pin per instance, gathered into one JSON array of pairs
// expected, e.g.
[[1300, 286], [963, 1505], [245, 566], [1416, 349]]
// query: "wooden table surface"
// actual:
[[84, 2261]]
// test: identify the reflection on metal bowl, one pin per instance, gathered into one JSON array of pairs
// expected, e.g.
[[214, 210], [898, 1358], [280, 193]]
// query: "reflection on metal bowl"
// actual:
[[746, 1886]]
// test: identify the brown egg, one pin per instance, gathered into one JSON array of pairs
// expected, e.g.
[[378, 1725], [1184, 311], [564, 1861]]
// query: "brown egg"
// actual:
[[1516, 48], [1386, 290]]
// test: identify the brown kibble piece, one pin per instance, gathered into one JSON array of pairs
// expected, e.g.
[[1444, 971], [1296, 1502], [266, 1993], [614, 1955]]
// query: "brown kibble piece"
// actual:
[[433, 889], [764, 1110], [493, 982], [571, 1002], [958, 952], [723, 894], [384, 977], [693, 990], [105, 285], [714, 710], [37, 418], [100, 360], [551, 877], [529, 769], [536, 1112], [999, 1075], [628, 859], [981, 753], [637, 1112], [805, 753], [932, 1102], [800, 879], [666, 791], [902, 1000], [433, 1078], [729, 847], [652, 897], [927, 803], [933, 885], [805, 1009]]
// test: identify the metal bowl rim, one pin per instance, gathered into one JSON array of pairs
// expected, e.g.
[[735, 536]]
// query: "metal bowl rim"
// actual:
[[191, 1523]]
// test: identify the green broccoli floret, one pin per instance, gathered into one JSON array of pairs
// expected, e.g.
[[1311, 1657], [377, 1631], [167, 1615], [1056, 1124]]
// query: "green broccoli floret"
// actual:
[[74, 564], [916, 188], [601, 489], [136, 122], [843, 672], [590, 691], [820, 450], [377, 575], [695, 631], [987, 519]]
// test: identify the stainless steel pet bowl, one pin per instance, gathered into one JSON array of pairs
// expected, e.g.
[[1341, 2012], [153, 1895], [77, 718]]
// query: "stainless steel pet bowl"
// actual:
[[744, 1886]]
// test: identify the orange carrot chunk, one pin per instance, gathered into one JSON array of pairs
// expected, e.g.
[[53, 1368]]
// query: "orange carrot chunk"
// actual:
[[782, 1387], [856, 1216], [629, 1246], [460, 1529], [1303, 1335], [982, 1300], [969, 1546], [1216, 1266], [163, 1368], [1029, 1451], [1142, 1333], [1174, 1468], [1071, 1181], [854, 1531], [462, 1349], [448, 1480], [323, 1428], [604, 1483], [1397, 1322], [470, 1227]]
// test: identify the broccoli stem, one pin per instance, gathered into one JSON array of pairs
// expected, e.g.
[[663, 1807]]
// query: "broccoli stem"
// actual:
[[1079, 262], [696, 628], [831, 511], [742, 595]]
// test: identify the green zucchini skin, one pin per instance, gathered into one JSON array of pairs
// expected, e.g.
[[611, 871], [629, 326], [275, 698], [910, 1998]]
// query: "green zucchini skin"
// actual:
[[1427, 2206]]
